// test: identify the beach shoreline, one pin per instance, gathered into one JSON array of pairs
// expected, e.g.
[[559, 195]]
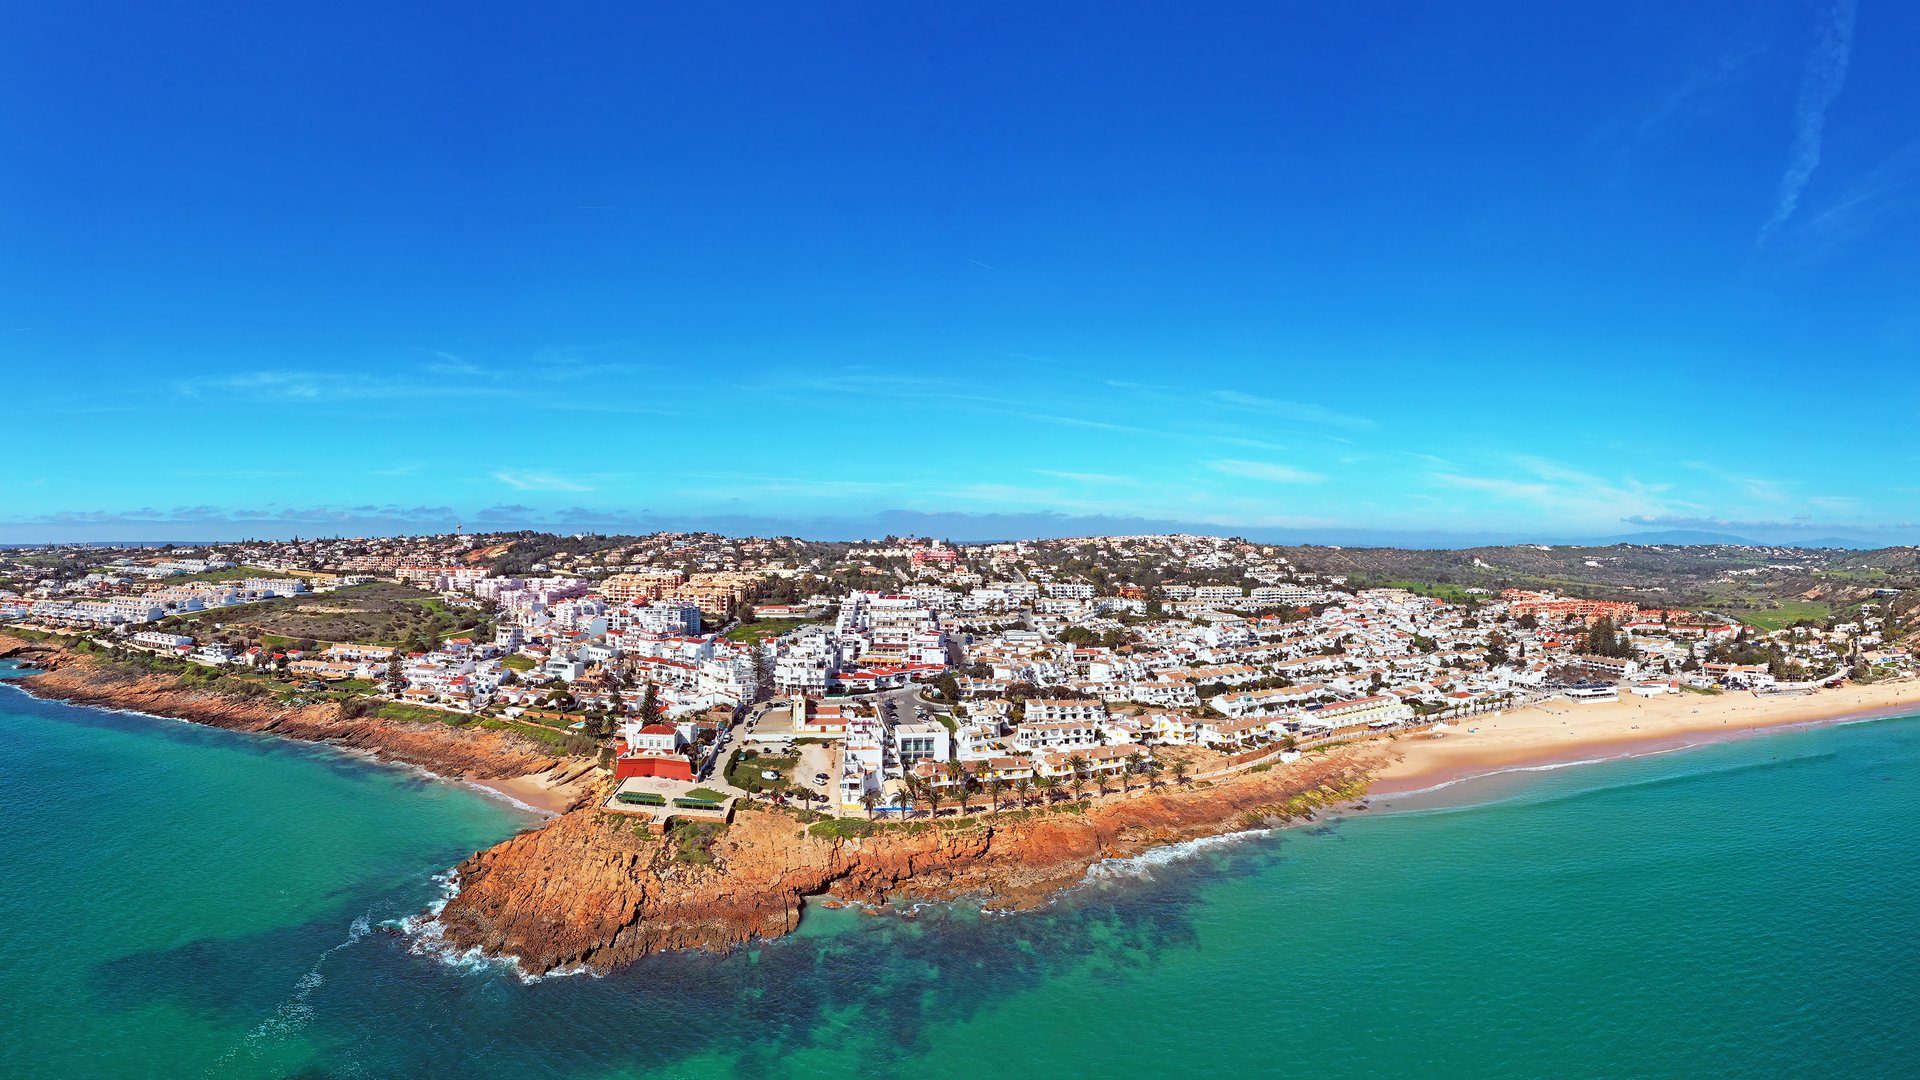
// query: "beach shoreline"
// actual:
[[57, 672], [550, 793], [1560, 733]]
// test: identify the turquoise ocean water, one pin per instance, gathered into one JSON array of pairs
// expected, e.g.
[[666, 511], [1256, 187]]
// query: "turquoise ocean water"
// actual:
[[179, 901]]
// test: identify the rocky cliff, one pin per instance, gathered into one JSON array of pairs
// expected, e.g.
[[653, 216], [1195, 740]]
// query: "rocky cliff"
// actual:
[[454, 752], [592, 889]]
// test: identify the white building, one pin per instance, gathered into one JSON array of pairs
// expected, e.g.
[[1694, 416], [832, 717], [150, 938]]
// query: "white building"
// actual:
[[920, 742]]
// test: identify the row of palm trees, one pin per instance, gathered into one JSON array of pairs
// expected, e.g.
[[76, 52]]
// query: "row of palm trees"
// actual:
[[963, 785]]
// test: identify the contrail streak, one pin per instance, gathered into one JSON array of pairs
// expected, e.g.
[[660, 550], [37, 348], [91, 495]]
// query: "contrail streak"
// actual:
[[1825, 75]]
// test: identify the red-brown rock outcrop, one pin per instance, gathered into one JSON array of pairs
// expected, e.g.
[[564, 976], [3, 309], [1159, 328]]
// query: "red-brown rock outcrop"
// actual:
[[591, 889], [454, 752]]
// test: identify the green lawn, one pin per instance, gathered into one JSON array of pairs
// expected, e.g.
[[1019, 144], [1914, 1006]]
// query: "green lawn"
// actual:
[[417, 714], [1784, 613], [1452, 594], [238, 573], [754, 633], [744, 772]]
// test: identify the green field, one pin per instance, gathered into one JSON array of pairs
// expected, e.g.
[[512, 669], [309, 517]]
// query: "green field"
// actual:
[[238, 573], [754, 633], [744, 772], [1785, 613], [1452, 594]]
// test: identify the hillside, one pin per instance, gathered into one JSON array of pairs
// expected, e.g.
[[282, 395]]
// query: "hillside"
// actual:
[[1761, 584], [380, 614]]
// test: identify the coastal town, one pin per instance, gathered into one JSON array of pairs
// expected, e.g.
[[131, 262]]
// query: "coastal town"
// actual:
[[900, 678]]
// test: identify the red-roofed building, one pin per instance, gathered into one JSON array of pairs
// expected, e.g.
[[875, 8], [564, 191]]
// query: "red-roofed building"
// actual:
[[653, 750]]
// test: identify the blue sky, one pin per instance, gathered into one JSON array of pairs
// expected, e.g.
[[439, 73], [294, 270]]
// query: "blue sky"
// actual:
[[1334, 270]]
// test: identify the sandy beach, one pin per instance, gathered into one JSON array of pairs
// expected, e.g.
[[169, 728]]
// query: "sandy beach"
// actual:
[[540, 791], [1558, 731]]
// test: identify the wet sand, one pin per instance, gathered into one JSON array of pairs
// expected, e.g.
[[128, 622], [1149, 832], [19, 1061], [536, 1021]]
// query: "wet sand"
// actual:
[[1558, 731]]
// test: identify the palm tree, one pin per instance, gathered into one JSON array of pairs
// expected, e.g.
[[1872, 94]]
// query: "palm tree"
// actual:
[[903, 798], [1047, 786], [1079, 784], [993, 792], [915, 792], [1153, 771], [957, 775], [932, 791], [869, 799], [1179, 772], [1134, 761]]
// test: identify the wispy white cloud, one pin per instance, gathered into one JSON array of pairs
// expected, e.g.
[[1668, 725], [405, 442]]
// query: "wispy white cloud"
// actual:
[[1265, 470], [1088, 477], [454, 365], [1566, 493], [1299, 412], [538, 481], [1820, 84], [1881, 197], [1753, 487], [323, 386], [547, 387]]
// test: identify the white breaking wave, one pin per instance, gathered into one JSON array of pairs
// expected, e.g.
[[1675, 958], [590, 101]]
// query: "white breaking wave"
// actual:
[[1549, 767], [428, 937], [1143, 864], [297, 1010]]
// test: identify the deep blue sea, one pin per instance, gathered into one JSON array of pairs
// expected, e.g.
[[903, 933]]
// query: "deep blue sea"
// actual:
[[179, 901]]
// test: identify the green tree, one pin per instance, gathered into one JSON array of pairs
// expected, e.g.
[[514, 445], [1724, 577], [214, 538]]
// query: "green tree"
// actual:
[[948, 686], [1078, 780], [958, 777], [762, 671]]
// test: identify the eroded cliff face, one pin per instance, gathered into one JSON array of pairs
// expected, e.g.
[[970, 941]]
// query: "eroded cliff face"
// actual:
[[453, 752], [588, 889]]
